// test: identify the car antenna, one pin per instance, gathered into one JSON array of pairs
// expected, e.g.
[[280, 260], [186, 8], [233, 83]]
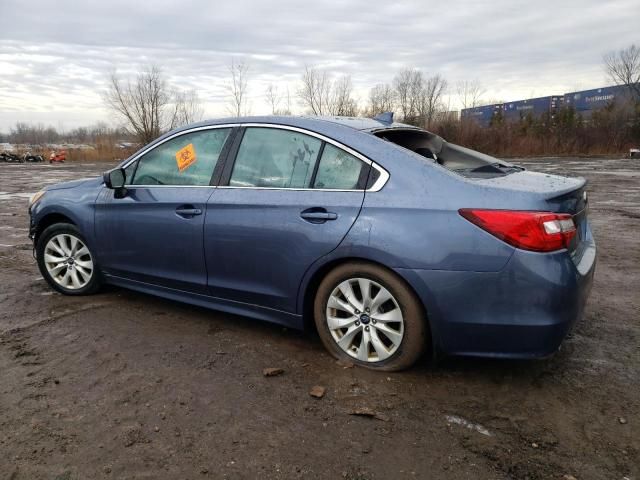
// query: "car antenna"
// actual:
[[385, 117]]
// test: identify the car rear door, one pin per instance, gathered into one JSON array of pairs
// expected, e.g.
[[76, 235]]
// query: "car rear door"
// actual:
[[287, 197], [153, 233]]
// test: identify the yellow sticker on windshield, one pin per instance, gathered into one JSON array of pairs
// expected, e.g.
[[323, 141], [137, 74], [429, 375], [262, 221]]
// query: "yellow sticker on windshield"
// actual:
[[185, 157]]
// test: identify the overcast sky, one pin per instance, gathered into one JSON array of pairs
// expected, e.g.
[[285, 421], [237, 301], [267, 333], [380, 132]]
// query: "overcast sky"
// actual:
[[55, 56]]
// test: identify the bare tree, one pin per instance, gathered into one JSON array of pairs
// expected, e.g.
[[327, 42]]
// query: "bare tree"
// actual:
[[342, 101], [26, 133], [430, 100], [287, 99], [408, 85], [275, 99], [623, 67], [149, 106], [141, 103], [272, 97], [97, 134], [187, 108], [315, 91], [238, 88], [470, 93], [381, 99]]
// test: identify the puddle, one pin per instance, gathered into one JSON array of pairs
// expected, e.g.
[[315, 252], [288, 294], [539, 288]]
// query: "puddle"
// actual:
[[10, 196]]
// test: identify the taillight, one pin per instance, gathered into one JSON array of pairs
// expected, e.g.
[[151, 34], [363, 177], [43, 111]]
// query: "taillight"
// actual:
[[536, 231]]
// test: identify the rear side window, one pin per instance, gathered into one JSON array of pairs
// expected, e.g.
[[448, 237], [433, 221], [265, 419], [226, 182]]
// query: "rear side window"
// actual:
[[339, 170], [187, 160], [275, 158]]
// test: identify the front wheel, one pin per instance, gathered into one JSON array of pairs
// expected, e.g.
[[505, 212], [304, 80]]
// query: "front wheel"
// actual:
[[369, 316], [65, 261]]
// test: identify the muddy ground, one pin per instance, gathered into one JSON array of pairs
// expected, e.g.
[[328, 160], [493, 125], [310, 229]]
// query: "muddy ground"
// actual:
[[124, 385]]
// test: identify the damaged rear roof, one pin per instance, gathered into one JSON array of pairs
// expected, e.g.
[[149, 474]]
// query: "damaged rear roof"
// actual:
[[363, 124]]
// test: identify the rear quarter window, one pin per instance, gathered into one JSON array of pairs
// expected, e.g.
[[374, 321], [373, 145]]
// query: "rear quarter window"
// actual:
[[339, 170]]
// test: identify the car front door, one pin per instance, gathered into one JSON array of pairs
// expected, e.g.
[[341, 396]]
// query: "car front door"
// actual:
[[153, 233], [286, 199]]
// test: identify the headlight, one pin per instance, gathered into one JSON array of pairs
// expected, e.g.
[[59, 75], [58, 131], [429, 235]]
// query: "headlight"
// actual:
[[35, 197]]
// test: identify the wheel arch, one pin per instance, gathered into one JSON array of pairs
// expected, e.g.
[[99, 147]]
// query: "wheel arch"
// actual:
[[314, 279], [50, 219]]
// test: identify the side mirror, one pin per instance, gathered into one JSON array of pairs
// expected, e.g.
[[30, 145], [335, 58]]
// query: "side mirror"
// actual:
[[115, 178]]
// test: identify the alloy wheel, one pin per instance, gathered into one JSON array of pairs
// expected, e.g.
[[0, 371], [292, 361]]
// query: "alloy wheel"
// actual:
[[68, 261], [365, 320]]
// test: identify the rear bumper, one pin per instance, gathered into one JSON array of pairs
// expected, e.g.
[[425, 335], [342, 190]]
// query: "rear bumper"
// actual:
[[523, 311]]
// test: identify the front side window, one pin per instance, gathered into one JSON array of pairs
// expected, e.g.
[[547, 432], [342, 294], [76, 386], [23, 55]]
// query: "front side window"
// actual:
[[339, 170], [185, 160], [275, 158]]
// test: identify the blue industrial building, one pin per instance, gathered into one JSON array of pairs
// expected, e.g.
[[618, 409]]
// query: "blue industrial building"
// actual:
[[482, 115], [584, 102], [534, 107]]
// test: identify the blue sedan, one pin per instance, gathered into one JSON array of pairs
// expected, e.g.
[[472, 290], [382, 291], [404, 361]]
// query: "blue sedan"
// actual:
[[390, 239]]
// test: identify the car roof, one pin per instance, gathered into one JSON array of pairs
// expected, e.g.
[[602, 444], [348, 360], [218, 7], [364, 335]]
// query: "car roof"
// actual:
[[361, 123], [353, 132], [311, 122]]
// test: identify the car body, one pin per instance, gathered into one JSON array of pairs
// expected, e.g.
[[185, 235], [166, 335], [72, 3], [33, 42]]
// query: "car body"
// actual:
[[262, 248], [57, 156]]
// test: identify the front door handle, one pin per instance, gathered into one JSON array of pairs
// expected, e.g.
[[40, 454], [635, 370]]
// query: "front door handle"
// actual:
[[318, 215], [188, 211]]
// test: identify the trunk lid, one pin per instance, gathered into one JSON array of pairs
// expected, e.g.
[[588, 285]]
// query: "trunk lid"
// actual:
[[551, 193], [576, 203]]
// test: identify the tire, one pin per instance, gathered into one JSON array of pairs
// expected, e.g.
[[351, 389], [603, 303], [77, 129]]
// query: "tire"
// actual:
[[397, 345], [79, 276]]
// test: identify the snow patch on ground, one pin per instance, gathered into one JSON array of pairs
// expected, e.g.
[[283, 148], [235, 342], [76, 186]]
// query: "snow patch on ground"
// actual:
[[467, 424]]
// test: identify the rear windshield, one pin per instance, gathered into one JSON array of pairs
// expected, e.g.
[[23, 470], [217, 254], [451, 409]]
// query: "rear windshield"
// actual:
[[461, 160]]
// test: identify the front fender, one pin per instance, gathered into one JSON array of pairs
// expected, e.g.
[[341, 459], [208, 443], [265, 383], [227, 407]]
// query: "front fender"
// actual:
[[78, 205]]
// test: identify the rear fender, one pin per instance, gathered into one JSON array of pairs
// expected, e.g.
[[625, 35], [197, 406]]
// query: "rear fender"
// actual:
[[322, 266]]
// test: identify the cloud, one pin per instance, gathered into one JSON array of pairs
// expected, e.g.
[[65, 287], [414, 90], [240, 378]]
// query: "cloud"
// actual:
[[54, 64]]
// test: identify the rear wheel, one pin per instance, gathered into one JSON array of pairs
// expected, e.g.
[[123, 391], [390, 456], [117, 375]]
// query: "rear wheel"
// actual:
[[367, 315], [65, 260]]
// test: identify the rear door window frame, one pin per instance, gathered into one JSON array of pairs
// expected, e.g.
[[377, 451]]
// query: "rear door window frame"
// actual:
[[363, 182]]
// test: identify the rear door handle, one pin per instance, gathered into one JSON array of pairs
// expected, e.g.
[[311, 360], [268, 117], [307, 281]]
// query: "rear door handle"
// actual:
[[318, 215], [188, 211]]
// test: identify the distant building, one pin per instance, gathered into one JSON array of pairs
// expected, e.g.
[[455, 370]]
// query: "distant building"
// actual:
[[531, 107], [482, 115], [584, 102]]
